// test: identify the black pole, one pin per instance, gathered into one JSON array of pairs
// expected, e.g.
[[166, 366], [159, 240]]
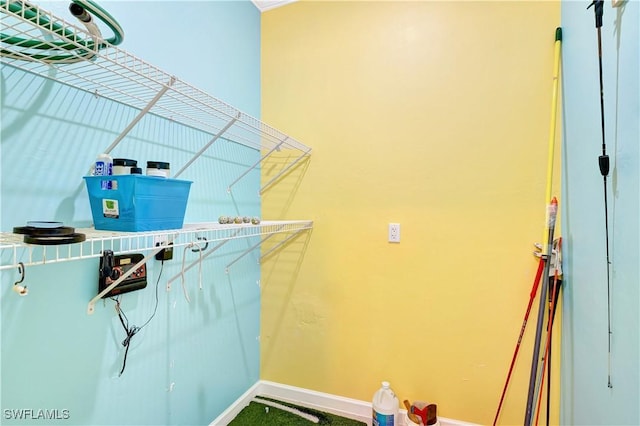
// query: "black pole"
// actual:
[[603, 164], [553, 304], [549, 333]]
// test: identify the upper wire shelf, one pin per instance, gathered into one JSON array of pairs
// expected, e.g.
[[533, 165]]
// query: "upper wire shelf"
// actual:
[[118, 75]]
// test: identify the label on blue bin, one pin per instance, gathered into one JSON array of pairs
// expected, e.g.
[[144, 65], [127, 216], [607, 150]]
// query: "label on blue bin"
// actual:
[[110, 208]]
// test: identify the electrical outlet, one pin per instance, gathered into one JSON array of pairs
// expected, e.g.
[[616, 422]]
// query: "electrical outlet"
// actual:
[[394, 232]]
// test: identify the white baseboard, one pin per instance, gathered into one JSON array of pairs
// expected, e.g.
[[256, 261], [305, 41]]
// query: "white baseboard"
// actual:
[[341, 406], [234, 409]]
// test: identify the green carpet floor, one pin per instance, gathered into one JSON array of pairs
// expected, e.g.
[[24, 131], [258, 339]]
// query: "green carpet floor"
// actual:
[[256, 414]]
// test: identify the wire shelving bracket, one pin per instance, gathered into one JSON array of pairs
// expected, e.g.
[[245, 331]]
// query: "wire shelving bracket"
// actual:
[[92, 303], [250, 249], [141, 114]]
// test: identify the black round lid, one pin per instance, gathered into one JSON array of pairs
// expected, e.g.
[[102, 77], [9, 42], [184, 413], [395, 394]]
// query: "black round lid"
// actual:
[[124, 162], [157, 165]]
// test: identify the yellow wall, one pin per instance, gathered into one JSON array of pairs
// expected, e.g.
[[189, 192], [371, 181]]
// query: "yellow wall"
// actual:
[[434, 115]]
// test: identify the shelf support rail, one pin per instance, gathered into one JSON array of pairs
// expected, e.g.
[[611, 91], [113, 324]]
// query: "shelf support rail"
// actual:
[[271, 151], [151, 255], [250, 249], [141, 114], [282, 243], [204, 148], [283, 171], [192, 264]]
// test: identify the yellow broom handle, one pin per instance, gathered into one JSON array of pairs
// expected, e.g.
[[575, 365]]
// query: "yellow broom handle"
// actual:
[[552, 134]]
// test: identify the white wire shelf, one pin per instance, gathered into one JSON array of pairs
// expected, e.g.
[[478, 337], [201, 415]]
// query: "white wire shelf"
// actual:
[[13, 250], [115, 74]]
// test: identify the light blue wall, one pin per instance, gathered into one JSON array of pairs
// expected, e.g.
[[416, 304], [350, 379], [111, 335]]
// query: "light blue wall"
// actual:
[[192, 360], [586, 399]]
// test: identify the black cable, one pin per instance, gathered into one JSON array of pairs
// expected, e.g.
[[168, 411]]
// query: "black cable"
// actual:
[[133, 330], [155, 308]]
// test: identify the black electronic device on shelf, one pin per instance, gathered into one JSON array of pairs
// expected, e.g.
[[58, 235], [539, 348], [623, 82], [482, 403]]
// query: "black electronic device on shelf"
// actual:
[[113, 267]]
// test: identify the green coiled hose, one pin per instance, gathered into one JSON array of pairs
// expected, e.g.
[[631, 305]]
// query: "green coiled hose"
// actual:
[[64, 52]]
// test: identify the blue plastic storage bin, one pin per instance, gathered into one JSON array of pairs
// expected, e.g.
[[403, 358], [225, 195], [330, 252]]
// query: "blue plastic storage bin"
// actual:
[[137, 203]]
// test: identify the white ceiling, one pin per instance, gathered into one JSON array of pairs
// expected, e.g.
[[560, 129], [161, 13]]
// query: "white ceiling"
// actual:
[[264, 5]]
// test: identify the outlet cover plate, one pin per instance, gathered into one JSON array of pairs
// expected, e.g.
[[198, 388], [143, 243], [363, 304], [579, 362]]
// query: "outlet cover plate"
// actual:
[[394, 232]]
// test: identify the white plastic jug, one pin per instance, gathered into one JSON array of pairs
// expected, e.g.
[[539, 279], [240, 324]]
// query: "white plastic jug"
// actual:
[[385, 407]]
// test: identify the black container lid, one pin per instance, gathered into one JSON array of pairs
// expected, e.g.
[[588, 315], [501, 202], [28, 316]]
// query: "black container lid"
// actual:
[[158, 165], [124, 162]]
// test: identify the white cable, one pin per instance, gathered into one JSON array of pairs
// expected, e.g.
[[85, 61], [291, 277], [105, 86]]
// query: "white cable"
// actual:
[[200, 267], [184, 287], [182, 271], [306, 416]]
